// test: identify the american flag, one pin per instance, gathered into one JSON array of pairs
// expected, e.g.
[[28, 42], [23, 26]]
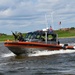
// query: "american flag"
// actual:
[[60, 23]]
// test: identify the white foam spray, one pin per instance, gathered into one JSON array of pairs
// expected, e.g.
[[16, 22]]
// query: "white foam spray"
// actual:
[[45, 52], [41, 53], [7, 55]]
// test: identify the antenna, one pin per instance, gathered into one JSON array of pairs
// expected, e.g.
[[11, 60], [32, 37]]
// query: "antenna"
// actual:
[[52, 19], [46, 28], [46, 21]]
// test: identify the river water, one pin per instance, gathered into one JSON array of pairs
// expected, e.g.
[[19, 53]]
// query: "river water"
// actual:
[[42, 63]]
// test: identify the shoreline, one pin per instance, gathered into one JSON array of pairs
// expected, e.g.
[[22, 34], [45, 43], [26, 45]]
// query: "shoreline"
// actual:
[[58, 38], [67, 37]]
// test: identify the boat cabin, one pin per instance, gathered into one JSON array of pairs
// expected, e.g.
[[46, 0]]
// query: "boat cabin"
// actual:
[[42, 36]]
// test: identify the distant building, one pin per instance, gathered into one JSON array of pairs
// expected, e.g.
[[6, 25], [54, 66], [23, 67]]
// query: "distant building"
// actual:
[[65, 29], [2, 34]]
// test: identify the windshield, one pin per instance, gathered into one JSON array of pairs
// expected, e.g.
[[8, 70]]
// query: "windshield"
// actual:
[[40, 35], [28, 35]]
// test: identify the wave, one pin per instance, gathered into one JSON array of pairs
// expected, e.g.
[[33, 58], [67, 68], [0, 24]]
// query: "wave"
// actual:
[[7, 55], [46, 52], [41, 53]]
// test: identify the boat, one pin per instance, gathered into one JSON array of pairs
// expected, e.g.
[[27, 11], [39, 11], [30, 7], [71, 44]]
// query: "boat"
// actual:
[[38, 40]]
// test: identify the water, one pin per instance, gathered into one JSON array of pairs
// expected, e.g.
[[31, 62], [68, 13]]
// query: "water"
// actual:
[[42, 63]]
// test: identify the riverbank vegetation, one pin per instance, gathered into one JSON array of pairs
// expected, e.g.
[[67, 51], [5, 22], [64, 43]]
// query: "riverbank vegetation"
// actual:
[[62, 33], [67, 32]]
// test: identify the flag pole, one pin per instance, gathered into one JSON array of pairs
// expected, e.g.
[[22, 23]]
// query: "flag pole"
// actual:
[[60, 25], [46, 28], [52, 20], [46, 21]]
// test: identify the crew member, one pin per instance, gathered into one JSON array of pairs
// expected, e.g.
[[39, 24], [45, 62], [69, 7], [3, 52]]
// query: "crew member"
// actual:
[[20, 37], [51, 29]]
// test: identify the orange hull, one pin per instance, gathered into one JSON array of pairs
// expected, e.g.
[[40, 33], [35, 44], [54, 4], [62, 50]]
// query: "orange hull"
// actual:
[[26, 47]]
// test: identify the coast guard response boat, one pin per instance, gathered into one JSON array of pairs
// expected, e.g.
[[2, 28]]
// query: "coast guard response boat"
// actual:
[[34, 41]]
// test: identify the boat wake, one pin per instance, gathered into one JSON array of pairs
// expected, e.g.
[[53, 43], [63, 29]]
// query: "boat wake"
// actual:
[[7, 55], [45, 52], [42, 53]]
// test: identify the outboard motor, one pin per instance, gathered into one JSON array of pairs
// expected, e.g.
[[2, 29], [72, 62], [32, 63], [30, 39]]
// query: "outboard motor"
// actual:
[[64, 47]]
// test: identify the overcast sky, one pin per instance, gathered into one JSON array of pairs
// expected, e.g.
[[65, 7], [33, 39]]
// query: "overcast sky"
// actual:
[[30, 15]]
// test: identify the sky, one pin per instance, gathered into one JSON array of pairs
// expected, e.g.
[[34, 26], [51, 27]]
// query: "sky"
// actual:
[[31, 15]]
